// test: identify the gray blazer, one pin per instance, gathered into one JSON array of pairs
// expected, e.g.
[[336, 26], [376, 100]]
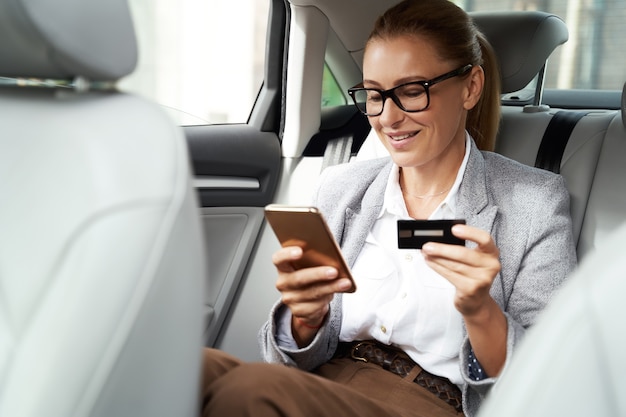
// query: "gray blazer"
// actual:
[[525, 209]]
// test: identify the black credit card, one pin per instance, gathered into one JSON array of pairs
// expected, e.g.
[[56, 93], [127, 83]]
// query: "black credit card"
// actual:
[[412, 234]]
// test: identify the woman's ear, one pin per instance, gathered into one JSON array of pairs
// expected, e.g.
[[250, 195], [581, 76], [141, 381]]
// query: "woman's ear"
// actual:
[[474, 87]]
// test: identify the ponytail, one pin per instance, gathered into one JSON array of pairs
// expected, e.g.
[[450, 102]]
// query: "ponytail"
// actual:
[[483, 120]]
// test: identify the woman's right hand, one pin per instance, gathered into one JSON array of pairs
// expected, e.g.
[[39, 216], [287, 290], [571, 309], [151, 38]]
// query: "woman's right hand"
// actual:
[[307, 292]]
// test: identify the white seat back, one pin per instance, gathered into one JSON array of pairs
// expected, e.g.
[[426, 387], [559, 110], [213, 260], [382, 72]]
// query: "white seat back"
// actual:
[[101, 254], [571, 362]]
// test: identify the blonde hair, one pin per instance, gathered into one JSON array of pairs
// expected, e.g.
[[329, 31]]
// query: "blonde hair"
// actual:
[[458, 40]]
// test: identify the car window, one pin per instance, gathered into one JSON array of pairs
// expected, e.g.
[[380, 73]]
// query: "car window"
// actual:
[[331, 92], [593, 57], [197, 63]]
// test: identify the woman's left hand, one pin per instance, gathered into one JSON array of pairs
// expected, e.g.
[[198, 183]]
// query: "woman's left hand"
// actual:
[[471, 271]]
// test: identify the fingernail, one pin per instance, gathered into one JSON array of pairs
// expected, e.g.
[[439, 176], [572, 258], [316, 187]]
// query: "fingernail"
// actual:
[[456, 227], [344, 284], [295, 252], [331, 272]]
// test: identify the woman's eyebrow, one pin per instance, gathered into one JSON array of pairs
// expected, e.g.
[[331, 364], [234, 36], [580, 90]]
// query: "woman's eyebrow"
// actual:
[[397, 82]]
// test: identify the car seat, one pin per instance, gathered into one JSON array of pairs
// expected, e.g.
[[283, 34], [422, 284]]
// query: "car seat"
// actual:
[[571, 363], [101, 252]]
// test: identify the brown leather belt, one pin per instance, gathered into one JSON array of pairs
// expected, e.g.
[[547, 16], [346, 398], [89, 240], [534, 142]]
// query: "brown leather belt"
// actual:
[[395, 360]]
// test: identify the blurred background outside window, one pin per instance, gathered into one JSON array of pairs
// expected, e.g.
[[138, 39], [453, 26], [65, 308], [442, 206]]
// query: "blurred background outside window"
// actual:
[[594, 57], [202, 60]]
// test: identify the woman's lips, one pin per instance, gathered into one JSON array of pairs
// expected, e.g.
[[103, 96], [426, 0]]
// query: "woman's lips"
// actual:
[[398, 137]]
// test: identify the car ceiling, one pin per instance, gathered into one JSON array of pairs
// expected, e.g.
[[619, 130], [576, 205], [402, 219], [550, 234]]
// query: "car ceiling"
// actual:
[[352, 32]]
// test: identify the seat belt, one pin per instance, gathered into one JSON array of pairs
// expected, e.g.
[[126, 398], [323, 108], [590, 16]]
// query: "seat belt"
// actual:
[[555, 139], [337, 151]]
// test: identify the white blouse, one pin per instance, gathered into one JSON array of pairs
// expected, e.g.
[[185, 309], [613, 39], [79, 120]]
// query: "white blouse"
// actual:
[[399, 299]]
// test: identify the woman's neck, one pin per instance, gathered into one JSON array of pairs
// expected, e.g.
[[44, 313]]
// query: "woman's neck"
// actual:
[[424, 188], [421, 206]]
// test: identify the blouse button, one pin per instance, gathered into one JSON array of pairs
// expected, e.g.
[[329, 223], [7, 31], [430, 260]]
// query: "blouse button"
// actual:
[[383, 329]]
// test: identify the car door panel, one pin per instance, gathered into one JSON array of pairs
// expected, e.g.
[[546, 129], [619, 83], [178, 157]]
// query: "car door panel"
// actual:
[[236, 171], [234, 165], [233, 232]]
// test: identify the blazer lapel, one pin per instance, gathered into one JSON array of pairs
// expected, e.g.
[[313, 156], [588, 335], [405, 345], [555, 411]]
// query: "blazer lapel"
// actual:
[[473, 199], [359, 220]]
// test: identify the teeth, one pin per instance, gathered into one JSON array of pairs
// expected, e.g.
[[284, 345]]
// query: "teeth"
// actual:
[[401, 137]]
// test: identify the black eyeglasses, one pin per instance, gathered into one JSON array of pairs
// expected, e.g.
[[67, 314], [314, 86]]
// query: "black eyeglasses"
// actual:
[[411, 97]]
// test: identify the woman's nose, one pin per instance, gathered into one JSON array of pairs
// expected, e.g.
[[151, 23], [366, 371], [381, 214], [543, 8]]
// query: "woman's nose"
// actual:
[[391, 114]]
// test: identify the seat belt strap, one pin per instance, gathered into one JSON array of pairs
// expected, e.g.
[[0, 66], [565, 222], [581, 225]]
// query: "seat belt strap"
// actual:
[[555, 139], [338, 151]]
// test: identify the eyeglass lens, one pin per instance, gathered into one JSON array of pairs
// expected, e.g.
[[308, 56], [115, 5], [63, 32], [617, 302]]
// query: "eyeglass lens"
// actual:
[[409, 97]]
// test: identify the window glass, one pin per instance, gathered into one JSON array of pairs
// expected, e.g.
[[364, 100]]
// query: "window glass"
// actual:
[[593, 57], [331, 92], [201, 60]]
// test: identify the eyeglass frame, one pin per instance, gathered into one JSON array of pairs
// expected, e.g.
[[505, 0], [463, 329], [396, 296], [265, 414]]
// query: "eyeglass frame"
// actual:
[[426, 84]]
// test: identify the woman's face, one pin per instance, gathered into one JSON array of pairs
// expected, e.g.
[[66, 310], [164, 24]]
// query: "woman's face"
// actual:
[[436, 135]]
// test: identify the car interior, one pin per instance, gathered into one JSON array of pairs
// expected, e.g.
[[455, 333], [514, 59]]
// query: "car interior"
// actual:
[[588, 157], [128, 241]]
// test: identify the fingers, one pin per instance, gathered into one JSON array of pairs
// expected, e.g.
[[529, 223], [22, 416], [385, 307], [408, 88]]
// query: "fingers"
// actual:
[[308, 291], [481, 237], [471, 271], [284, 257], [484, 245], [291, 279], [314, 279]]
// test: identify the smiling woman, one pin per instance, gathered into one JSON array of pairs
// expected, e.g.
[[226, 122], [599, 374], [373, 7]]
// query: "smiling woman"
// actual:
[[424, 317], [180, 43]]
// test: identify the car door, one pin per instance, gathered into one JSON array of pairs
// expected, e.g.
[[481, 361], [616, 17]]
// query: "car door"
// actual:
[[217, 67], [236, 169], [275, 158]]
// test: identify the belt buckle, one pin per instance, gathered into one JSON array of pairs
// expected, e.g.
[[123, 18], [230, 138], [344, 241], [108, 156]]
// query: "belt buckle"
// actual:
[[353, 353]]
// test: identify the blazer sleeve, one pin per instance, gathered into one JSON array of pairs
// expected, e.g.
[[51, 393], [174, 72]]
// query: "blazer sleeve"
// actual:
[[319, 351]]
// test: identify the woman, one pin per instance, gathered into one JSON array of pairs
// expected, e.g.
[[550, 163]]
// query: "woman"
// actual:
[[445, 316]]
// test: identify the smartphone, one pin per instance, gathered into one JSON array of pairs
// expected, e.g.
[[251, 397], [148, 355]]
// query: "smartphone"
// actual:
[[412, 234], [305, 227]]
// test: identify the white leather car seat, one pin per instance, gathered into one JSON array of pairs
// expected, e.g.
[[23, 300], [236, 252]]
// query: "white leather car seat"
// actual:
[[101, 253], [571, 363]]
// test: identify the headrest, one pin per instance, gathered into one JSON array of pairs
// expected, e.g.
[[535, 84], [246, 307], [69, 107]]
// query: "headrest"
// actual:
[[523, 41], [63, 39]]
